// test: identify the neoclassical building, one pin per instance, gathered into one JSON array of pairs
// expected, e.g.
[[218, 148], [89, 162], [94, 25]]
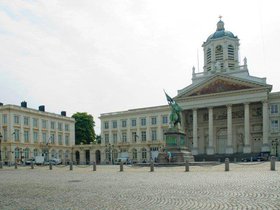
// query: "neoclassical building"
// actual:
[[27, 132], [226, 111]]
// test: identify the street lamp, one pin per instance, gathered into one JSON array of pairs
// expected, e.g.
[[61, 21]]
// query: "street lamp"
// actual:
[[1, 148]]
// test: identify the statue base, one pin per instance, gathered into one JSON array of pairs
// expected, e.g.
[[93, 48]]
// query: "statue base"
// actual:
[[175, 150]]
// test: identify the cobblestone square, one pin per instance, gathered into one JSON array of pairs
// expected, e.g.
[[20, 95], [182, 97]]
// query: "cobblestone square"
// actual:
[[245, 186]]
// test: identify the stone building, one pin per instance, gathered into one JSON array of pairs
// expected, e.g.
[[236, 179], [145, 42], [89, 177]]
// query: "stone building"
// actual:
[[27, 133], [226, 111]]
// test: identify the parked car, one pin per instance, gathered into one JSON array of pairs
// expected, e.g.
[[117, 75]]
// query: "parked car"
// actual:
[[55, 161], [39, 160], [262, 156], [29, 161]]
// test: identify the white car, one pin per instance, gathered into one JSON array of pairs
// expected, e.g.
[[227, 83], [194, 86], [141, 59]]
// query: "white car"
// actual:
[[55, 161]]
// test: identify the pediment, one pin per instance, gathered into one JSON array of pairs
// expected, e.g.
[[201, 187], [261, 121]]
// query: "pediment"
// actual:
[[220, 84]]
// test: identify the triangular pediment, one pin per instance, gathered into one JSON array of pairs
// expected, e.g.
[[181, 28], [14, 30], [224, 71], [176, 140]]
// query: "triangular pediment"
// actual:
[[220, 84]]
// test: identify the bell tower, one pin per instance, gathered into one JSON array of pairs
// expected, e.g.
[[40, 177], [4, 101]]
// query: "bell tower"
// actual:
[[221, 50]]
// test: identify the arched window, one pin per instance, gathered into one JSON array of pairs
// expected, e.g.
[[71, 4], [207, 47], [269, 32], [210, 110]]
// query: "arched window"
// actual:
[[115, 154], [16, 153], [35, 152], [219, 55], [107, 152], [26, 153], [134, 154], [208, 57], [53, 154], [144, 153]]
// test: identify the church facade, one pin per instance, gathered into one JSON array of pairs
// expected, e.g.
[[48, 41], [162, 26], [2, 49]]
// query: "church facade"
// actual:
[[226, 111]]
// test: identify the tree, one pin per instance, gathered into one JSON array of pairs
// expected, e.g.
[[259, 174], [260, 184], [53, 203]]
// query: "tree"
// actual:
[[84, 128]]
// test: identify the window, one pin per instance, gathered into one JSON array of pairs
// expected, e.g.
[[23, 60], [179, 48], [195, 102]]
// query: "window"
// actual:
[[5, 134], [144, 153], [35, 152], [123, 123], [66, 127], [230, 56], [35, 123], [16, 133], [154, 120], [66, 140], [208, 59], [115, 138], [26, 136], [26, 121], [124, 139], [52, 125], [134, 137], [35, 137], [164, 120], [59, 126], [5, 119], [44, 124], [143, 121], [154, 135], [16, 153], [274, 125], [134, 154], [115, 124], [133, 122], [106, 125], [44, 137], [16, 119], [26, 153], [106, 138], [143, 136], [52, 138], [274, 108], [60, 139]]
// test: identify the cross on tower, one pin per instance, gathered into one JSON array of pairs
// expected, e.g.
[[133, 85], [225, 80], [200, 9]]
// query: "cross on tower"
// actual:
[[220, 16]]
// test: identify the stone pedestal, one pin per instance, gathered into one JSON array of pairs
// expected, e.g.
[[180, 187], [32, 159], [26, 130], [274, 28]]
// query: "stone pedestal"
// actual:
[[175, 146]]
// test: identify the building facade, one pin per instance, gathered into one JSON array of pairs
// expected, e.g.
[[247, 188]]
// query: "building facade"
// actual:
[[26, 133], [226, 111]]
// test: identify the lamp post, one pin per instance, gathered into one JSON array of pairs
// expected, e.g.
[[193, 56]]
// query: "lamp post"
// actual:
[[275, 146], [1, 148]]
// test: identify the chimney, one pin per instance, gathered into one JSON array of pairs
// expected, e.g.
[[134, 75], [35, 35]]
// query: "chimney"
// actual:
[[42, 108], [23, 104], [63, 113]]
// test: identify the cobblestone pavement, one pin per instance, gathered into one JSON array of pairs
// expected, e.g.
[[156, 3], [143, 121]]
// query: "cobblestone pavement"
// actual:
[[245, 186]]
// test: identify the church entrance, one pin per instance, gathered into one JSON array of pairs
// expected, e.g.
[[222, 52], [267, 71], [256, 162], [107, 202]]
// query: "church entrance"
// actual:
[[221, 141]]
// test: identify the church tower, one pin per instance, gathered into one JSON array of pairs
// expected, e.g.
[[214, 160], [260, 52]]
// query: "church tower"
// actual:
[[221, 50]]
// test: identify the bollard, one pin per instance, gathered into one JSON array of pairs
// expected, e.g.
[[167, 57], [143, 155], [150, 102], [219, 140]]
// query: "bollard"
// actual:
[[272, 163], [50, 165], [121, 166], [226, 164], [15, 164], [187, 166], [32, 165], [94, 166], [71, 166], [152, 166], [1, 164]]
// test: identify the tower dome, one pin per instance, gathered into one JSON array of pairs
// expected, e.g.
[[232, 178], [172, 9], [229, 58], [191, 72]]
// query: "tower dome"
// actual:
[[220, 32]]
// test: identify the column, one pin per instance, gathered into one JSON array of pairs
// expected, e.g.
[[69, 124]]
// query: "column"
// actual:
[[195, 142], [265, 146], [82, 156], [229, 148], [210, 149], [92, 155], [247, 146]]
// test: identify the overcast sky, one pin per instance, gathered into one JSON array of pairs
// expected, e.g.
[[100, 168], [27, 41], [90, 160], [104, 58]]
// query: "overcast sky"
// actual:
[[100, 56]]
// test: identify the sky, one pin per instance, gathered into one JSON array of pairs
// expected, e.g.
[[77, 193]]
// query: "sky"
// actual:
[[100, 56]]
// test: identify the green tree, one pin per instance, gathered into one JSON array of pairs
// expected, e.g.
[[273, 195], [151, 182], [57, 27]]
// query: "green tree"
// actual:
[[84, 128]]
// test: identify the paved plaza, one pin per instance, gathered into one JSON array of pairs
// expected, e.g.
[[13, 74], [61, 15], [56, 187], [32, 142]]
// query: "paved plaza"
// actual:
[[245, 186]]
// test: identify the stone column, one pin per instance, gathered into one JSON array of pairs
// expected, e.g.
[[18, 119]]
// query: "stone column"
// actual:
[[82, 156], [265, 146], [195, 142], [210, 149], [229, 148], [92, 155], [247, 146]]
